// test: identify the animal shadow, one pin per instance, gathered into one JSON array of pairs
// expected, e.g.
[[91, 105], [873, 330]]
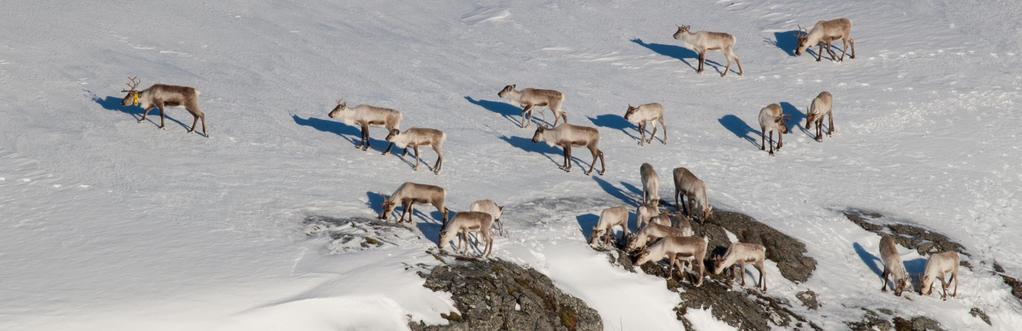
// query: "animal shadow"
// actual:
[[546, 150], [615, 122], [586, 223], [114, 103], [795, 117], [350, 133], [739, 128], [506, 110], [375, 201], [871, 261], [614, 191], [678, 52], [787, 41]]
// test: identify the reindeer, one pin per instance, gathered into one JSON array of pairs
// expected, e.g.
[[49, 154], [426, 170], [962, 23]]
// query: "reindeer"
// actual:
[[938, 265], [822, 106], [409, 194], [650, 113], [740, 254], [703, 41], [825, 32], [650, 185], [463, 223], [531, 97], [644, 214], [160, 96], [366, 116], [416, 137], [490, 207], [609, 218], [567, 135], [892, 266], [655, 231], [772, 119], [686, 183], [675, 249]]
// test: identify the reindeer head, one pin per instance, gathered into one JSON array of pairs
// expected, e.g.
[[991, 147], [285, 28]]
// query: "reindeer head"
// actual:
[[782, 122], [630, 112], [925, 285], [507, 89], [388, 208], [131, 99], [393, 133], [901, 286], [682, 29], [803, 40], [538, 136], [718, 264], [707, 213], [635, 243], [810, 118], [342, 106], [445, 238]]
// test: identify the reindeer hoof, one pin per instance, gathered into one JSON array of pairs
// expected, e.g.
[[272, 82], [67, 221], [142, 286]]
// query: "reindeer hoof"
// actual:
[[820, 139]]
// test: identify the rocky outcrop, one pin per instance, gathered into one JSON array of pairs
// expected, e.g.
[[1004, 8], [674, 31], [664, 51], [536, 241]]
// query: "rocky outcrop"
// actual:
[[922, 240], [882, 320], [499, 295], [787, 252], [353, 234]]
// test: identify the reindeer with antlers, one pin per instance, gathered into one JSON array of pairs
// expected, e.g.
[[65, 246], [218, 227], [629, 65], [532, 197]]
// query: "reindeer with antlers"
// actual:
[[365, 116], [160, 96], [825, 32], [703, 41]]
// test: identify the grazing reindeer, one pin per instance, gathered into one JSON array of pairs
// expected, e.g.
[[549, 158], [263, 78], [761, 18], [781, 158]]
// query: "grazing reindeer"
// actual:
[[825, 32], [690, 249], [703, 41], [740, 254], [644, 214], [655, 231], [938, 265], [366, 116], [772, 119], [892, 266], [650, 185], [644, 115], [408, 194], [415, 137], [609, 218], [822, 105], [463, 223], [686, 183], [568, 135], [490, 207], [160, 96], [531, 97]]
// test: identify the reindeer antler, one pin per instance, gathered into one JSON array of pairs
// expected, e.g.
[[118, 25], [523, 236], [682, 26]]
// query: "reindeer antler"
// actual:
[[340, 101], [133, 83], [801, 30]]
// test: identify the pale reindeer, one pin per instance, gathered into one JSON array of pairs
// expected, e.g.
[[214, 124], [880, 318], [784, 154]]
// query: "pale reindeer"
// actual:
[[740, 254], [462, 224], [893, 266], [643, 115], [161, 96], [772, 119], [567, 135], [825, 32], [676, 249], [644, 213], [937, 266], [532, 97], [610, 218], [687, 185], [366, 116], [650, 185], [490, 207], [655, 231], [409, 194], [415, 137], [704, 41], [822, 105]]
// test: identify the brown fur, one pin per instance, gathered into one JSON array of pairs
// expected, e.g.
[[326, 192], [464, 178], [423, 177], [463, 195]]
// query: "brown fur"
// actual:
[[161, 96]]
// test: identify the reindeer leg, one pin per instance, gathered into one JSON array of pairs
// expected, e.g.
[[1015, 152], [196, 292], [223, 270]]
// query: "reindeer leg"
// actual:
[[830, 50], [595, 153], [851, 42], [145, 112], [661, 120], [954, 275], [819, 130], [883, 288], [844, 48], [771, 143], [780, 140], [830, 128], [642, 133], [195, 120], [762, 275], [727, 65], [439, 161], [762, 139], [603, 163], [652, 135], [739, 63], [567, 158], [365, 137], [702, 58], [416, 149], [526, 116], [403, 212], [202, 118], [819, 54], [943, 287], [162, 113]]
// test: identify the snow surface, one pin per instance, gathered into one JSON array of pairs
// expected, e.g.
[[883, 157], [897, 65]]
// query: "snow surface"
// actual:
[[114, 225]]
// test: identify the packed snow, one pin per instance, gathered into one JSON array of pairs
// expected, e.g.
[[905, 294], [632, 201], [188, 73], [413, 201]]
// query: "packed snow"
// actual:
[[116, 225]]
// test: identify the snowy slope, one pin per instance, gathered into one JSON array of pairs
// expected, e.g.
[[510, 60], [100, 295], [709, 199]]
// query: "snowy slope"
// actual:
[[109, 224]]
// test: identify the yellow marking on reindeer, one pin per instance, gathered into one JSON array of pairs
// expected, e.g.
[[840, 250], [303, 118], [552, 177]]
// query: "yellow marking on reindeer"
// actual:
[[134, 98]]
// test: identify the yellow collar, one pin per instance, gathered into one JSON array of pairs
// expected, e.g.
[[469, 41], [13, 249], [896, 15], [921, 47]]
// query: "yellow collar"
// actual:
[[134, 98]]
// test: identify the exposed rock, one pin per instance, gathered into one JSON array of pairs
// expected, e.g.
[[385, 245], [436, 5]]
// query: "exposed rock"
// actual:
[[1014, 283], [922, 240], [808, 298], [787, 252], [743, 309], [499, 295], [873, 321], [980, 314], [917, 323], [354, 234]]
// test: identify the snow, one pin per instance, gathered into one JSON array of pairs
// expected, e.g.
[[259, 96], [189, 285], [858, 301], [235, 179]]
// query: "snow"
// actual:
[[115, 225]]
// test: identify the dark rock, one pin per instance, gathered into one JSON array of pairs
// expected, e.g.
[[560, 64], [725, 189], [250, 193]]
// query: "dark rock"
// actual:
[[917, 323], [745, 310], [977, 313], [499, 295], [922, 240], [808, 298], [787, 252], [1014, 283], [873, 321], [352, 234]]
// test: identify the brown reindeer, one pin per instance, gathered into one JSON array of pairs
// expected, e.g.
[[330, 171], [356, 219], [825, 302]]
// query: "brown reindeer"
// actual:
[[825, 32], [160, 96]]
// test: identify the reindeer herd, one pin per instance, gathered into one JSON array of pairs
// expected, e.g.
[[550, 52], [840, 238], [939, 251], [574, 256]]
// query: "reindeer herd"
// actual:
[[660, 235]]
